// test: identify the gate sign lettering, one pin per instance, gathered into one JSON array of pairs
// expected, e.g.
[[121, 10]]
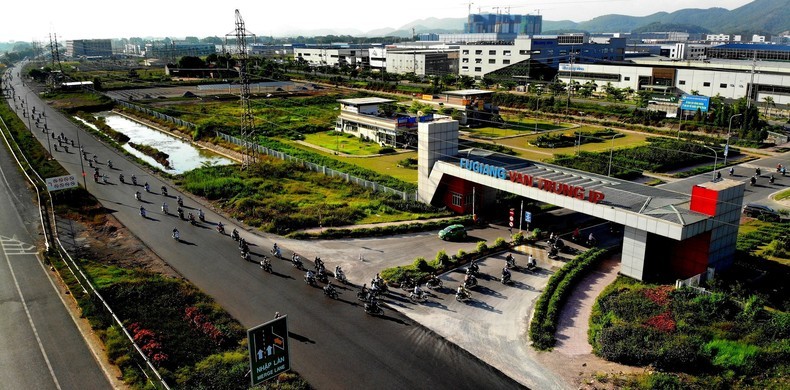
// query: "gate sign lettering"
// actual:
[[61, 182], [547, 185], [268, 347], [694, 102]]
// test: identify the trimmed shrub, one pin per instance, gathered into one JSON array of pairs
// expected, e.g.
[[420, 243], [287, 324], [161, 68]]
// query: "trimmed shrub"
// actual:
[[499, 243], [482, 247]]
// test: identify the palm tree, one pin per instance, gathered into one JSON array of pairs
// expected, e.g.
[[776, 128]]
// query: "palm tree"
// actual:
[[768, 101]]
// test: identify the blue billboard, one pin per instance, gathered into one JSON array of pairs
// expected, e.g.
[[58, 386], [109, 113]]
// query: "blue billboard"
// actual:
[[694, 102]]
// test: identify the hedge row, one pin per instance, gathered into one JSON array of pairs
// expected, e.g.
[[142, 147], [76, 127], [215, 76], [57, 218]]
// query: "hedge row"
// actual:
[[413, 227], [560, 285]]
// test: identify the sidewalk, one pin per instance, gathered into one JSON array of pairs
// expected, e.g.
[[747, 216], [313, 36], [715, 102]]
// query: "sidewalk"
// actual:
[[372, 225]]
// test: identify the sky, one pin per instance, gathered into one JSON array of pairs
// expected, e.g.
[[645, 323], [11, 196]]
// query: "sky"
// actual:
[[83, 19]]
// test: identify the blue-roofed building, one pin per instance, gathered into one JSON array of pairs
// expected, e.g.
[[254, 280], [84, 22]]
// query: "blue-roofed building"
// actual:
[[748, 51]]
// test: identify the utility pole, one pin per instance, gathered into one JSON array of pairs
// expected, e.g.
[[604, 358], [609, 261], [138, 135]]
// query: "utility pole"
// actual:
[[247, 124], [749, 90]]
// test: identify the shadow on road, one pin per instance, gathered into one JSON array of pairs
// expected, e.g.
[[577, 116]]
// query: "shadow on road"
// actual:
[[300, 338]]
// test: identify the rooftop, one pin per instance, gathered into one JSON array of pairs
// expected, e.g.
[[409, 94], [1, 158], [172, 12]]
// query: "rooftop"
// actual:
[[365, 101], [468, 92]]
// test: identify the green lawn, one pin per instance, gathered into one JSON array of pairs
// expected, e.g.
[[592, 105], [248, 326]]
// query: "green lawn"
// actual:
[[515, 125], [522, 145], [344, 143]]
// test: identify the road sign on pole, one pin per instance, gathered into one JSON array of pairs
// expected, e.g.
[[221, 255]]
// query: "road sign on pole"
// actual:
[[268, 346], [61, 182], [512, 217], [527, 217]]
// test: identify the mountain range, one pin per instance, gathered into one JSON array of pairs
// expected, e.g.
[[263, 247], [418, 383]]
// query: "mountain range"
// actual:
[[757, 17]]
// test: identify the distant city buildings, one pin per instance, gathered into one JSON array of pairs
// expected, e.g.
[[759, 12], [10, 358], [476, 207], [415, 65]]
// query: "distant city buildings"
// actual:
[[175, 50], [89, 48], [504, 23]]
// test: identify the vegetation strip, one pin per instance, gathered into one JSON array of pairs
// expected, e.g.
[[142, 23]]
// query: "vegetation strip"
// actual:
[[547, 310], [156, 154]]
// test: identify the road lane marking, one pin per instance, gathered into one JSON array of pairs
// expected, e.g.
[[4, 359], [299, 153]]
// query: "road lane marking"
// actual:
[[13, 247], [30, 319]]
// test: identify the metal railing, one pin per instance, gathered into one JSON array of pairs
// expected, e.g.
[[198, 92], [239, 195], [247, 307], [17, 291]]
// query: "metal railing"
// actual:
[[367, 184]]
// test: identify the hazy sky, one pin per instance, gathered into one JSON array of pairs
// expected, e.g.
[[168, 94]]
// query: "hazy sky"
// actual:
[[75, 19]]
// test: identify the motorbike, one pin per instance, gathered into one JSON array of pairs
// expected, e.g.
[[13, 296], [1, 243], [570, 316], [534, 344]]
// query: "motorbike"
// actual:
[[340, 276], [463, 296], [180, 201], [180, 213], [142, 212], [473, 269], [234, 235], [510, 261], [109, 164], [469, 283], [266, 265], [554, 252], [246, 256], [752, 181], [433, 283], [164, 209], [373, 308], [147, 187], [417, 298], [137, 196], [176, 235], [321, 276], [201, 216], [310, 280], [297, 262], [407, 283], [276, 252], [192, 219], [505, 279], [330, 291], [120, 178], [134, 180], [164, 191], [221, 229], [771, 179]]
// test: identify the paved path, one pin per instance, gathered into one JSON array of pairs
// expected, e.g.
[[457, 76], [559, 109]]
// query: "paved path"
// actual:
[[575, 316]]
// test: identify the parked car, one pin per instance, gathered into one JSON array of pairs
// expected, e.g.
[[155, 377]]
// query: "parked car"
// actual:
[[761, 212], [453, 232]]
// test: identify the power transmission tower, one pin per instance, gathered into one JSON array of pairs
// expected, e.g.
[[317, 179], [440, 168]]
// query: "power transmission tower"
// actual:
[[247, 129]]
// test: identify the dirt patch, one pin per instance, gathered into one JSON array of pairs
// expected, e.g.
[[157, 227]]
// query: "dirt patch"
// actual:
[[96, 234]]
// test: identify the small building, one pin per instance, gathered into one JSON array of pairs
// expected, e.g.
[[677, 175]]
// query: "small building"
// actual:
[[365, 118], [476, 105], [89, 48], [426, 62], [76, 85]]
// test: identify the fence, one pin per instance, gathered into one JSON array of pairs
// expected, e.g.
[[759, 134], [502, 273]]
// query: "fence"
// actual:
[[371, 185], [321, 168], [695, 280]]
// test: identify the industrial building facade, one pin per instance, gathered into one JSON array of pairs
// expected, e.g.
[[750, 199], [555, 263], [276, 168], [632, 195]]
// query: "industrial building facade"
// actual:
[[504, 23], [89, 48]]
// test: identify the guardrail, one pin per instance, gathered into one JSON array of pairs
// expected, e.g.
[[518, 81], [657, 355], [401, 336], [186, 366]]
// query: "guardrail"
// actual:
[[72, 265]]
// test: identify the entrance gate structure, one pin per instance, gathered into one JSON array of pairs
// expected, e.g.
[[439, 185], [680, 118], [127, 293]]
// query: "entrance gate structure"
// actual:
[[664, 231]]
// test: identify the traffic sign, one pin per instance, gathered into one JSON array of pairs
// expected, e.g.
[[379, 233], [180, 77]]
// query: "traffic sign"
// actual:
[[512, 217], [527, 217], [61, 182], [268, 346]]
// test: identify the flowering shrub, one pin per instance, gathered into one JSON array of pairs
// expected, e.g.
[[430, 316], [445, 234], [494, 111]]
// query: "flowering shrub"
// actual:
[[148, 342], [662, 322], [203, 324], [659, 295]]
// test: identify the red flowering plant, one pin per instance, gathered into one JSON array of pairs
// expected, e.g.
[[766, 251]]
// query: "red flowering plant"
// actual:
[[203, 324], [664, 321], [148, 342]]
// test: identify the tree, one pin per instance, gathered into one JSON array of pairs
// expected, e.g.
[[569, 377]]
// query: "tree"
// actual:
[[191, 40], [768, 101], [642, 98], [465, 82], [190, 62]]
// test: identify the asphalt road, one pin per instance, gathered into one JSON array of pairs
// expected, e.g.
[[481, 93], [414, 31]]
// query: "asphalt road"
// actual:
[[759, 193], [334, 344], [40, 344]]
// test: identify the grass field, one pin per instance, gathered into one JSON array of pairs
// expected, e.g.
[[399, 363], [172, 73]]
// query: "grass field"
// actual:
[[344, 143], [523, 147]]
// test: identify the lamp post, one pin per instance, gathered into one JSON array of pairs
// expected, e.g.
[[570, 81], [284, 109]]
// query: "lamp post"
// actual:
[[727, 147], [715, 159], [611, 153]]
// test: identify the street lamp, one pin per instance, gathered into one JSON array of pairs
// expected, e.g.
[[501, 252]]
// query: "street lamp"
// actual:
[[715, 159], [611, 153], [727, 147]]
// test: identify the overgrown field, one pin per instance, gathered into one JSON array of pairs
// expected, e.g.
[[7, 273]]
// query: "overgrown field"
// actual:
[[281, 197], [732, 344]]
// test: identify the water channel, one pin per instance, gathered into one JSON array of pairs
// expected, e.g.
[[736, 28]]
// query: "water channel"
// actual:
[[184, 156]]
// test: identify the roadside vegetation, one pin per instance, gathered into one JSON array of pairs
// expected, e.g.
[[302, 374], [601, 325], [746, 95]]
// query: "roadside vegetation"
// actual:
[[281, 197], [158, 155], [720, 340]]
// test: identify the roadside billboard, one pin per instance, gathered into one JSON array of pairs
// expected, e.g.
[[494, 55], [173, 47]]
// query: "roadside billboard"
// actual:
[[694, 102], [61, 182]]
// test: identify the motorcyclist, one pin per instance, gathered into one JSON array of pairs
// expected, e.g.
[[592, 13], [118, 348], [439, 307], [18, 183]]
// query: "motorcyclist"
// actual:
[[470, 281], [234, 234], [433, 281], [201, 215], [771, 179], [220, 227], [339, 275], [164, 190], [462, 292], [137, 195], [753, 180], [276, 250], [732, 171], [417, 291], [591, 239], [134, 179], [309, 277], [179, 200], [104, 178], [319, 264], [191, 218], [474, 267], [180, 212], [505, 275], [147, 187], [176, 235], [329, 289], [531, 263], [246, 256], [109, 163], [510, 260], [120, 177], [164, 208], [757, 171], [142, 211]]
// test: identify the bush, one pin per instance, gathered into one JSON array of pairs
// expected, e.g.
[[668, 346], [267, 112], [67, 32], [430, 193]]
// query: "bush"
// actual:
[[732, 355], [482, 247], [518, 238], [387, 150], [499, 243]]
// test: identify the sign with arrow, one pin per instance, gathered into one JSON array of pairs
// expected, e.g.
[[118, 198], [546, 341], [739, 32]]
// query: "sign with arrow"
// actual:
[[268, 346]]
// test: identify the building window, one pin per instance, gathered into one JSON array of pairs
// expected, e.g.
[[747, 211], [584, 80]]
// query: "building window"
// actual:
[[681, 82], [469, 199], [706, 84], [523, 52], [465, 60], [464, 68], [478, 52], [626, 78], [492, 61], [506, 53], [506, 62], [492, 52], [478, 69], [465, 52], [457, 198], [723, 85], [478, 60]]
